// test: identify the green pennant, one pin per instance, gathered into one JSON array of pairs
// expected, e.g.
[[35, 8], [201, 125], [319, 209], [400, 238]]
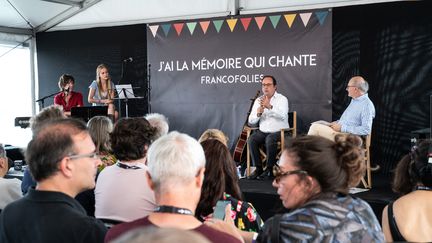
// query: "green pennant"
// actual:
[[275, 20], [218, 24], [191, 26]]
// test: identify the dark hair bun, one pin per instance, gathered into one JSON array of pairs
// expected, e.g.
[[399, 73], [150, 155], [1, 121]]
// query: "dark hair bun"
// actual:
[[350, 157]]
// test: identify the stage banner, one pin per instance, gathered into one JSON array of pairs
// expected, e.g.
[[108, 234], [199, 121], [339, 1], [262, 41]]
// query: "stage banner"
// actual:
[[204, 72]]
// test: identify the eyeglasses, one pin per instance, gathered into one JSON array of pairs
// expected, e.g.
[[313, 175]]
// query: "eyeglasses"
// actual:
[[279, 174], [348, 86], [93, 155]]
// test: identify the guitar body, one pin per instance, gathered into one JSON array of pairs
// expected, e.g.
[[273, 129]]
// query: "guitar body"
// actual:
[[240, 148], [239, 154]]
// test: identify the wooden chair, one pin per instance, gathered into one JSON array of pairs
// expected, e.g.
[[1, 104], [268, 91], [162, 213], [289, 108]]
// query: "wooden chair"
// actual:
[[292, 120], [367, 179]]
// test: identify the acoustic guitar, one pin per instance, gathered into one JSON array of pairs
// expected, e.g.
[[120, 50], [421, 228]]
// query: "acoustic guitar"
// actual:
[[240, 151]]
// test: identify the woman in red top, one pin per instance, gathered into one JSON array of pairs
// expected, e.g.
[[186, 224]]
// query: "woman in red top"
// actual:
[[68, 98]]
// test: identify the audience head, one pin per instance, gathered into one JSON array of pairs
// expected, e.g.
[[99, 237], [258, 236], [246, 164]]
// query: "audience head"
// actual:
[[174, 160], [66, 81], [100, 128], [130, 138], [311, 165], [63, 148], [4, 167], [160, 235], [49, 113], [158, 121], [220, 176], [414, 169], [214, 134]]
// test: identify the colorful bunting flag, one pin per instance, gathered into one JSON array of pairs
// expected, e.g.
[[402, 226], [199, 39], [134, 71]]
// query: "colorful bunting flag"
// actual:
[[191, 26], [204, 25], [178, 27], [245, 22], [321, 15], [232, 23], [290, 19], [218, 24], [305, 17], [260, 21], [153, 29], [275, 20], [166, 28]]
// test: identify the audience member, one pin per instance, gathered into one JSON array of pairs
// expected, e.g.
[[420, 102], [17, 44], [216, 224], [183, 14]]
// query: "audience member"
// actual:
[[62, 159], [50, 113], [176, 165], [100, 128], [214, 134], [10, 189], [409, 218], [126, 181], [67, 98], [221, 183], [158, 121], [160, 235], [312, 180]]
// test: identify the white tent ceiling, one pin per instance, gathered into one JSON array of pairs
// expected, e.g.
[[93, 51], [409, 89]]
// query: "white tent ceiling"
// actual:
[[30, 16]]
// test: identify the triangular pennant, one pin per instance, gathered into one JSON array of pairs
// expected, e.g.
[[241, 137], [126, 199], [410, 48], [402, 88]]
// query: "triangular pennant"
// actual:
[[245, 22], [204, 25], [260, 21], [290, 19], [178, 27], [218, 24], [166, 28], [232, 23], [305, 18], [275, 20], [191, 26], [321, 15], [153, 29]]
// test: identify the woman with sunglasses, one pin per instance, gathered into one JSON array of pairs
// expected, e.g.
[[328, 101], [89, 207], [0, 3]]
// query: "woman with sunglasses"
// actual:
[[312, 180]]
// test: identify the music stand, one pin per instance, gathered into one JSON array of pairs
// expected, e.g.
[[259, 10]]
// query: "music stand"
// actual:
[[125, 92], [87, 112]]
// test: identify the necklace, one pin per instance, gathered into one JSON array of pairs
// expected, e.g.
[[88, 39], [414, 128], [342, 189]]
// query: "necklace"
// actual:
[[425, 188], [127, 167], [172, 209]]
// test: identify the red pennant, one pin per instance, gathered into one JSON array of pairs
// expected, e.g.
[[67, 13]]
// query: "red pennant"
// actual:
[[178, 27], [245, 22]]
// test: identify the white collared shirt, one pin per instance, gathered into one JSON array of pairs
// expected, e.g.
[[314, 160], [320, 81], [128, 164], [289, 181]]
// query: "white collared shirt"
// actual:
[[271, 120]]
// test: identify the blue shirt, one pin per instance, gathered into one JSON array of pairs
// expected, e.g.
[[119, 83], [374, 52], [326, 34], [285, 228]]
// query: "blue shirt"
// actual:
[[357, 117]]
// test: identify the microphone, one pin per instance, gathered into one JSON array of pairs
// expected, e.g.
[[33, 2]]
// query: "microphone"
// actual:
[[66, 90], [129, 59]]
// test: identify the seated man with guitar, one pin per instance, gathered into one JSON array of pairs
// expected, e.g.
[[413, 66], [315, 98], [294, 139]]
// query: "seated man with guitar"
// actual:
[[271, 112]]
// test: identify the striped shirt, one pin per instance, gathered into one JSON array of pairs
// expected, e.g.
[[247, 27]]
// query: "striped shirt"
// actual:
[[357, 117]]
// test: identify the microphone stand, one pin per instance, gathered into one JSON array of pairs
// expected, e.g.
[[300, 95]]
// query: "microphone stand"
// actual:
[[121, 79], [42, 100], [148, 88]]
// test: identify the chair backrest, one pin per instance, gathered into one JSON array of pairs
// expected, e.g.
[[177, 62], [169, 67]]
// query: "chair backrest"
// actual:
[[292, 121]]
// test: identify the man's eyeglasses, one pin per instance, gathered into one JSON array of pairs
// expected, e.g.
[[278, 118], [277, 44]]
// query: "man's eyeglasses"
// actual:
[[93, 155], [348, 86], [279, 174], [267, 85]]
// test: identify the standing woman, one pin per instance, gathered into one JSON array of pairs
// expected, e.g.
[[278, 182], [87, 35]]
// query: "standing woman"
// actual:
[[101, 91], [67, 98]]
